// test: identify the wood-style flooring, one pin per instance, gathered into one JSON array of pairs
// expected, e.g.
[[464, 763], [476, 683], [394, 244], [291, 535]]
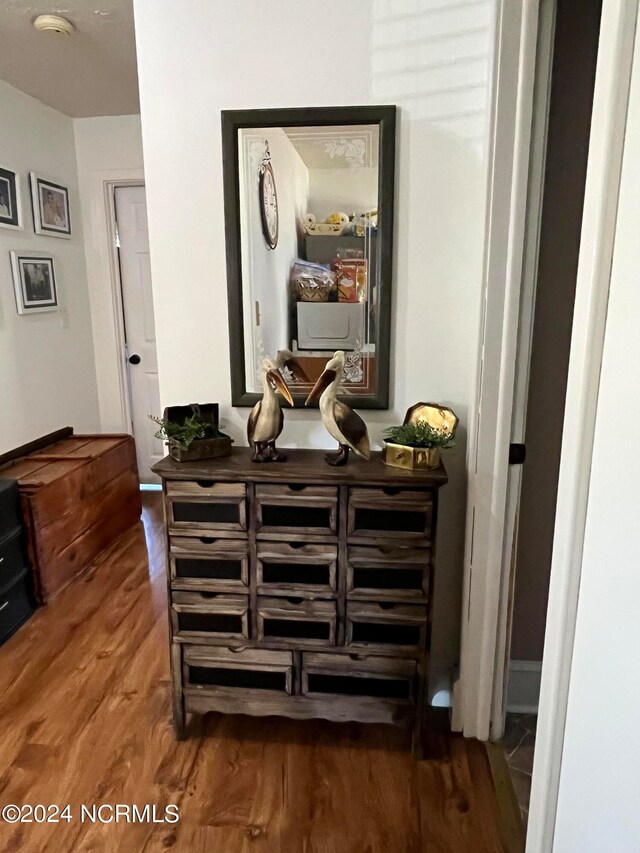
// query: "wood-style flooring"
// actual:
[[85, 719]]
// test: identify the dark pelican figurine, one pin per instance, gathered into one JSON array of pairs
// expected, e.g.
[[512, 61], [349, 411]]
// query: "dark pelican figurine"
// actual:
[[341, 422], [266, 418]]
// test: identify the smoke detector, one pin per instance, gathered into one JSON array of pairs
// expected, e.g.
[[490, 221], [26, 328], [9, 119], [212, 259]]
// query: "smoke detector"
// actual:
[[53, 24]]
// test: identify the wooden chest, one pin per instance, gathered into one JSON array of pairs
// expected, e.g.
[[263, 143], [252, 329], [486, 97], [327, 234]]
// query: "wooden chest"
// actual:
[[77, 495], [299, 589]]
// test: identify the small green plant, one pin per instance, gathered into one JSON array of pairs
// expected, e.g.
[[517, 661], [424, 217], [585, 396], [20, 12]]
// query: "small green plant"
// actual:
[[419, 434], [183, 435]]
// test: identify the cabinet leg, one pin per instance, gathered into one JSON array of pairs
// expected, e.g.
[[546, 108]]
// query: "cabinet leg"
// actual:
[[179, 722], [179, 727]]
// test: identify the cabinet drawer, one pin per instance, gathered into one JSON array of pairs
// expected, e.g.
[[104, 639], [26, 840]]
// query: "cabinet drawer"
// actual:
[[9, 503], [15, 603], [12, 557], [389, 513], [388, 572], [286, 511], [343, 675], [291, 568], [239, 672], [397, 628], [206, 505], [207, 563], [203, 616], [296, 621]]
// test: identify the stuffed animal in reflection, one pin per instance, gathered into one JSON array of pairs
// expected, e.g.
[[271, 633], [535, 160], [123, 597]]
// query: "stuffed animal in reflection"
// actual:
[[341, 422], [266, 419]]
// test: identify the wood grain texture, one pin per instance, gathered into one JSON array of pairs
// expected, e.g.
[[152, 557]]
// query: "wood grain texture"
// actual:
[[86, 718], [77, 495], [302, 466], [288, 526]]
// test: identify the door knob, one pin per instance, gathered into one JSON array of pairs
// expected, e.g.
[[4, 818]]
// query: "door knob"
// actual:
[[134, 359]]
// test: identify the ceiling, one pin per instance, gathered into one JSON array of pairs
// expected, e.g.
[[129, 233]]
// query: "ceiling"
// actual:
[[90, 73]]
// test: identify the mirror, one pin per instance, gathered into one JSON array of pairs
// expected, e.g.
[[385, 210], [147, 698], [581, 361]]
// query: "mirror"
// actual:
[[309, 226]]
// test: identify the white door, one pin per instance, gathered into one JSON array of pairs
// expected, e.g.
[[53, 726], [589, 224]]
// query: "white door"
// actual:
[[140, 333]]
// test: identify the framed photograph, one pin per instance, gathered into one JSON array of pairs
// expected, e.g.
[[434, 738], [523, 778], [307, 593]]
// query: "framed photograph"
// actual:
[[34, 281], [10, 207], [50, 207]]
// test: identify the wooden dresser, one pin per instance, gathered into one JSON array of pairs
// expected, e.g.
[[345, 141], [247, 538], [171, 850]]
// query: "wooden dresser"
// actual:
[[78, 494], [299, 589]]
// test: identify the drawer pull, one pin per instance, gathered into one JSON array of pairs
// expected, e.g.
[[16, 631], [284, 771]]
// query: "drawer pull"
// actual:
[[391, 490], [297, 487], [295, 600], [2, 606], [297, 545], [207, 540], [207, 594], [386, 605], [205, 484]]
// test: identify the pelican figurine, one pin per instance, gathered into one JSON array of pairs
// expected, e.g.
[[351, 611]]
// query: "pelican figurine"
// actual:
[[341, 422], [266, 418]]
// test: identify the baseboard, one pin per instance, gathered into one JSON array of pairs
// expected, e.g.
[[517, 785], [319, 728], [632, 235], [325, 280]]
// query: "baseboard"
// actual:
[[523, 688]]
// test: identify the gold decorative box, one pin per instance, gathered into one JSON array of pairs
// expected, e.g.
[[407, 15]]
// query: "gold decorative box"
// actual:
[[410, 458], [440, 418]]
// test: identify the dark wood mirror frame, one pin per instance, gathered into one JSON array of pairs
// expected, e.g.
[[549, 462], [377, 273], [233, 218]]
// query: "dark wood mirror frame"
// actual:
[[232, 122]]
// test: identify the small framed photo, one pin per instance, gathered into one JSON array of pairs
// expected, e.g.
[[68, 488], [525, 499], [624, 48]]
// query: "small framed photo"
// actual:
[[50, 207], [34, 281], [10, 207]]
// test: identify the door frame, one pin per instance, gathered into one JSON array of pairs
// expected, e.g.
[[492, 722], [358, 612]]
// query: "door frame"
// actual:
[[487, 552], [124, 384], [604, 167], [528, 289], [488, 540]]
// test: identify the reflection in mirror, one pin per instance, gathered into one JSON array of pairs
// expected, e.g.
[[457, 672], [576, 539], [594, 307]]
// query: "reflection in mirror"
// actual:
[[309, 220]]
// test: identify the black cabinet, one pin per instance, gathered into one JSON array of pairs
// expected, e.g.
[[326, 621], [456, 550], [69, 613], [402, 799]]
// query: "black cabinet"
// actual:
[[16, 599]]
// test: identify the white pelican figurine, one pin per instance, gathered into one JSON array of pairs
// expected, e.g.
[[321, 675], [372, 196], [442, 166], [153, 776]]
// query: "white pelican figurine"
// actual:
[[266, 418], [341, 422]]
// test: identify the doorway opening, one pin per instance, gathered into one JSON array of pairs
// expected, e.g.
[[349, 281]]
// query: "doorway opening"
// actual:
[[568, 108]]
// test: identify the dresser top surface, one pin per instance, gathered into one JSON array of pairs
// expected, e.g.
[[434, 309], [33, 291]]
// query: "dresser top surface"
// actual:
[[304, 466]]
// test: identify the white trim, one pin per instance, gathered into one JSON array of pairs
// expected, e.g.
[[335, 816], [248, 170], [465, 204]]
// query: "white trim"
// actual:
[[513, 87], [124, 387], [104, 292], [613, 74], [531, 251], [523, 692]]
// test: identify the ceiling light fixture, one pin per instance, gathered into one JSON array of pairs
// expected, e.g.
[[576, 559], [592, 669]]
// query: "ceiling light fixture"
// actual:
[[53, 24]]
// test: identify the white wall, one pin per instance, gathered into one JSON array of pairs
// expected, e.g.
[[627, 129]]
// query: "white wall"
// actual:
[[431, 60], [47, 374], [342, 190], [266, 271], [598, 798], [108, 148]]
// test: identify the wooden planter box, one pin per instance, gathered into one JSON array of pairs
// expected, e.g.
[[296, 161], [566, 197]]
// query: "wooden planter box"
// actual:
[[201, 448]]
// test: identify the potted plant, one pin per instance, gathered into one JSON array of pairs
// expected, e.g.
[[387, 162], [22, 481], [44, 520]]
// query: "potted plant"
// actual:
[[192, 432], [417, 442]]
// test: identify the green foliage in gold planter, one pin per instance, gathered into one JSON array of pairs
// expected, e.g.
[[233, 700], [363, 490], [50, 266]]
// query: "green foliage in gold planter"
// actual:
[[419, 434], [183, 435]]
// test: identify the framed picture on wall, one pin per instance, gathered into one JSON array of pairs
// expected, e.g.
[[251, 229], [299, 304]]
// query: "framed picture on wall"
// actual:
[[10, 207], [50, 207], [34, 281]]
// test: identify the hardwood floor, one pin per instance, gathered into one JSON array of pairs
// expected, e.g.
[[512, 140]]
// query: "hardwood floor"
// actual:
[[85, 711]]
